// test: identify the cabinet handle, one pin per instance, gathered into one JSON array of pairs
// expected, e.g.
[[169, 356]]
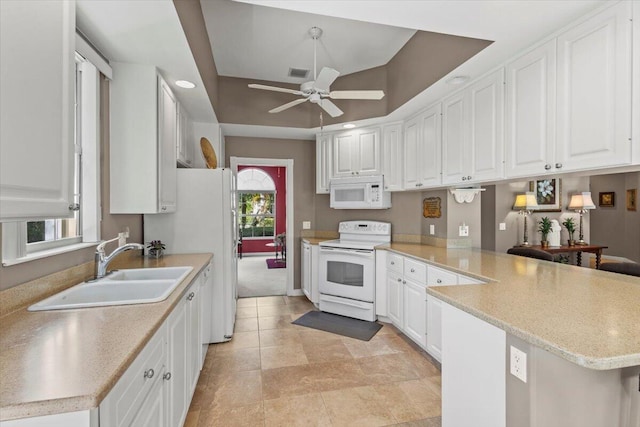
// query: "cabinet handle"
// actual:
[[547, 166], [191, 295], [469, 178], [149, 373], [439, 281], [167, 376], [464, 178], [558, 165], [74, 207], [393, 263], [404, 282], [164, 208], [413, 270], [399, 280]]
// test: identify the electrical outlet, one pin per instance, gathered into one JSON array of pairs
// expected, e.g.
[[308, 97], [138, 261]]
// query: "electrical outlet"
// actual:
[[306, 225], [502, 226], [518, 364], [463, 230], [432, 229]]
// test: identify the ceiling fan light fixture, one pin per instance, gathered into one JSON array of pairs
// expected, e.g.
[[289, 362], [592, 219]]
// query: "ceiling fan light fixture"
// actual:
[[348, 125], [457, 80], [185, 84]]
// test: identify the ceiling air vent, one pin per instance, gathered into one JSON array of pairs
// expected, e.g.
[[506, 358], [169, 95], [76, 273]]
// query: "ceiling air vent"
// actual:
[[298, 73]]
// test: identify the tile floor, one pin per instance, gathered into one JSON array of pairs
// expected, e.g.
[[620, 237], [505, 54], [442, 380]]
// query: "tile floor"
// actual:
[[274, 373]]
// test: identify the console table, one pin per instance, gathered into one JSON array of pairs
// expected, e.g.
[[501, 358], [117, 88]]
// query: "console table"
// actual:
[[594, 249]]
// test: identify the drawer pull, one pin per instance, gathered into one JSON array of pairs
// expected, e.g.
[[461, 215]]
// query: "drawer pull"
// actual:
[[404, 282], [149, 373], [393, 263], [439, 281], [191, 295], [167, 376], [547, 166], [413, 270], [399, 280]]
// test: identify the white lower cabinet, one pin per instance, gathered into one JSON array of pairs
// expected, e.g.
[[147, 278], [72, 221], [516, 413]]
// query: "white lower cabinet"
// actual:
[[309, 272], [434, 327], [415, 326], [394, 299], [157, 388]]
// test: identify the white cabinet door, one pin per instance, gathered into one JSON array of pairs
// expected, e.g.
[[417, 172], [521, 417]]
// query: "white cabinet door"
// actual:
[[530, 112], [414, 306], [37, 41], [434, 327], [594, 92], [305, 270], [429, 148], [392, 158], [184, 143], [472, 132], [486, 121], [422, 154], [315, 289], [167, 139], [152, 412], [368, 152], [344, 163], [411, 158], [455, 138], [395, 299], [177, 366], [194, 299], [323, 163]]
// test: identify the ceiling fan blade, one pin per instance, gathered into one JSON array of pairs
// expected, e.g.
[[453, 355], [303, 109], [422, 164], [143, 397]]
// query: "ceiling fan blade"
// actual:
[[356, 94], [275, 89], [288, 105], [325, 78], [330, 108]]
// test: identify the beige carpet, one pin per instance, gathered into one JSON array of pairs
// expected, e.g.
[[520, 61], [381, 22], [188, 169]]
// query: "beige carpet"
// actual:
[[256, 280]]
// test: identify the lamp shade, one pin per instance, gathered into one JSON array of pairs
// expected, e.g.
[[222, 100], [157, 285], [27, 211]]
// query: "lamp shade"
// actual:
[[525, 202], [581, 201]]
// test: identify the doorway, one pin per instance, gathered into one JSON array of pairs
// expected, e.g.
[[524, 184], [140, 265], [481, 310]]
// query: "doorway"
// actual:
[[265, 226]]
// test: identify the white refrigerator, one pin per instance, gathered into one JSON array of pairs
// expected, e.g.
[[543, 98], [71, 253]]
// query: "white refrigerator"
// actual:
[[205, 221]]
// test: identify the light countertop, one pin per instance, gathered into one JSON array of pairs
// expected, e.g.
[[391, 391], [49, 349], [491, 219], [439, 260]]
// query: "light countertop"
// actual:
[[68, 360], [314, 240], [586, 316]]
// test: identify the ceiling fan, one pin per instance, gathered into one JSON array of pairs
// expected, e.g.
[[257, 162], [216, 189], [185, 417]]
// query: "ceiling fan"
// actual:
[[317, 91]]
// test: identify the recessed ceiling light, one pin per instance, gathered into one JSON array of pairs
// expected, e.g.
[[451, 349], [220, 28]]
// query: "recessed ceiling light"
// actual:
[[185, 84], [348, 126], [457, 80]]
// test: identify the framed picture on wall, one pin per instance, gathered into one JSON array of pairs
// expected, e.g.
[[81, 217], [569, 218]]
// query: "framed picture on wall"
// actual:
[[548, 194], [607, 199], [632, 199]]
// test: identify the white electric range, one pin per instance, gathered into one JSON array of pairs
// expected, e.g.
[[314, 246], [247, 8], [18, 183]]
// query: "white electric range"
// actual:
[[348, 269]]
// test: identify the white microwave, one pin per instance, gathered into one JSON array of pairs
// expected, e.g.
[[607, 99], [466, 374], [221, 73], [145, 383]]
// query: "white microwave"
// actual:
[[363, 192]]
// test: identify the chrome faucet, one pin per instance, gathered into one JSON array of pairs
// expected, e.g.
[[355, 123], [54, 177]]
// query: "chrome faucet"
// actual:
[[102, 260]]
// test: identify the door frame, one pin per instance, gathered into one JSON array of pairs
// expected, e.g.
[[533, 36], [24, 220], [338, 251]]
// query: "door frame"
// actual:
[[288, 164]]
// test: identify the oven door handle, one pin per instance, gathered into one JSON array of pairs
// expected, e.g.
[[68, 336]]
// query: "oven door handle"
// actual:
[[357, 252]]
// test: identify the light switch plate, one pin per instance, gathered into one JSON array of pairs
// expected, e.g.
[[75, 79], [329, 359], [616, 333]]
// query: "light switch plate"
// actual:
[[432, 229], [502, 226], [306, 225], [464, 231]]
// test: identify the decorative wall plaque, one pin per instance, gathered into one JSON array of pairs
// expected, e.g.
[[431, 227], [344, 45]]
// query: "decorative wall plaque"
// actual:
[[431, 207]]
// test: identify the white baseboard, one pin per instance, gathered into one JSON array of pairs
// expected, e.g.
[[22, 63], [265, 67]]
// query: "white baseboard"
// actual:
[[295, 293]]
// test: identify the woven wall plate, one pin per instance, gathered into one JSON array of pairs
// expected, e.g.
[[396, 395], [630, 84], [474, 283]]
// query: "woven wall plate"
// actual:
[[209, 153]]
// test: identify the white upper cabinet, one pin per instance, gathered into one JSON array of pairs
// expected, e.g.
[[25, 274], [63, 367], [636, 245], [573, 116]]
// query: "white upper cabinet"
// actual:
[[472, 132], [356, 152], [184, 144], [392, 156], [323, 162], [530, 106], [143, 141], [594, 92], [422, 159], [37, 75]]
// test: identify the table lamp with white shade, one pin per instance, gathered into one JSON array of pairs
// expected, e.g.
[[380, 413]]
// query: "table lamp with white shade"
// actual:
[[524, 204], [581, 203]]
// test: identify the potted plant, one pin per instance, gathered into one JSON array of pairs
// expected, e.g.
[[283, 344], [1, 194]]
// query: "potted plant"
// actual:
[[544, 228], [571, 228], [156, 248]]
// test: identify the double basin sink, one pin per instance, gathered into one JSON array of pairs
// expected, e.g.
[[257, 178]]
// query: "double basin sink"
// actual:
[[122, 287]]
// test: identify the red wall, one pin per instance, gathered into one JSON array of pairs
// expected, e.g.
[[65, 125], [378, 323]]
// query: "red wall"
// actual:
[[279, 176]]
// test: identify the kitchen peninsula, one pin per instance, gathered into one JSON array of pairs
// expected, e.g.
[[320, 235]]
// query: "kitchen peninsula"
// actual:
[[580, 328]]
